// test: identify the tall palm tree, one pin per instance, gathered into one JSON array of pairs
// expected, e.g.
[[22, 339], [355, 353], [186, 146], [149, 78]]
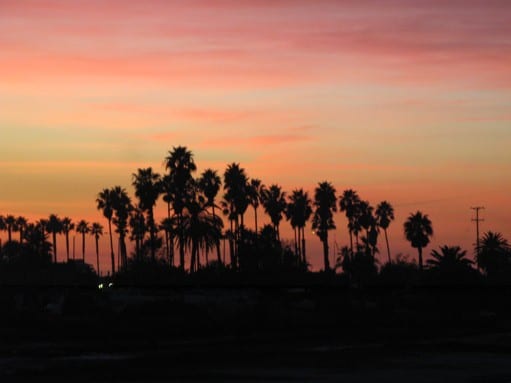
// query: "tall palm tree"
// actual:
[[122, 207], [54, 226], [209, 183], [10, 223], [21, 225], [83, 228], [96, 230], [384, 216], [274, 203], [325, 203], [67, 226], [3, 227], [148, 188], [348, 203], [494, 253], [255, 192], [168, 226], [104, 202], [180, 164], [418, 230], [298, 211]]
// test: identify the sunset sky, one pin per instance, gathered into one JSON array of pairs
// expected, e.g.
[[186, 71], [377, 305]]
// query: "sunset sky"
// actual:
[[407, 101]]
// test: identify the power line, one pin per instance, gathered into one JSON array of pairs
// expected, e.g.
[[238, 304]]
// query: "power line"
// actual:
[[477, 220]]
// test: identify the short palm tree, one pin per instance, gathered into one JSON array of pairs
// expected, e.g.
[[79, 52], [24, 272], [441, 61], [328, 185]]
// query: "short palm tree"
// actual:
[[299, 211], [255, 192], [67, 226], [122, 207], [96, 230], [10, 224], [494, 253], [418, 230], [450, 259], [274, 203], [54, 226], [325, 204], [384, 216], [83, 228], [21, 225], [148, 188], [348, 203], [209, 183]]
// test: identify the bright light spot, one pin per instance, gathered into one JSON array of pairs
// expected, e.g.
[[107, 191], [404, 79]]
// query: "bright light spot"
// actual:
[[110, 284], [100, 286]]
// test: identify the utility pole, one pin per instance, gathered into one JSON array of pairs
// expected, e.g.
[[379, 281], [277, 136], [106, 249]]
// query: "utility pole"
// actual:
[[477, 220]]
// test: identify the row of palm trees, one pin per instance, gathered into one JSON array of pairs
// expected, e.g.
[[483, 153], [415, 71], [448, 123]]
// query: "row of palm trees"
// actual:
[[53, 225], [192, 224]]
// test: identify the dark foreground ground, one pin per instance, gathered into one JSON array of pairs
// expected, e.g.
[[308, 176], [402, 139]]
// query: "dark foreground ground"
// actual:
[[255, 334]]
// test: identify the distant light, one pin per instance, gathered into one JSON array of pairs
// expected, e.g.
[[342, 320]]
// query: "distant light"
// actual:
[[110, 284], [100, 286]]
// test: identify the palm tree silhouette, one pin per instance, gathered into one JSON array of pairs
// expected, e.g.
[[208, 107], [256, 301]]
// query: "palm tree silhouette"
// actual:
[[104, 202], [384, 216], [450, 259], [148, 188], [348, 203], [3, 227], [209, 183], [122, 207], [418, 229], [168, 226], [255, 192], [181, 165], [325, 203], [138, 229], [96, 230], [54, 226], [83, 228], [10, 223], [236, 202], [494, 255], [298, 211], [21, 224], [274, 203], [67, 226]]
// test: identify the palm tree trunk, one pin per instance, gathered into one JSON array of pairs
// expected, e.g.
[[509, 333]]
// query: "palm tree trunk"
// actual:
[[303, 246], [151, 233], [111, 246], [351, 240], [9, 233], [388, 247], [419, 249], [54, 235], [296, 242], [325, 253], [218, 243], [255, 215], [97, 255], [67, 245], [124, 253], [181, 242], [83, 247]]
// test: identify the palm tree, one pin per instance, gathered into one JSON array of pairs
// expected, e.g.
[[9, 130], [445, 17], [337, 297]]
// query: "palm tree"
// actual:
[[348, 203], [209, 183], [494, 253], [325, 203], [83, 228], [10, 223], [274, 203], [67, 226], [121, 204], [418, 229], [181, 165], [201, 230], [236, 202], [54, 226], [104, 202], [21, 224], [168, 226], [3, 226], [147, 189], [298, 211], [384, 216], [138, 229], [450, 259], [97, 231], [255, 192]]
